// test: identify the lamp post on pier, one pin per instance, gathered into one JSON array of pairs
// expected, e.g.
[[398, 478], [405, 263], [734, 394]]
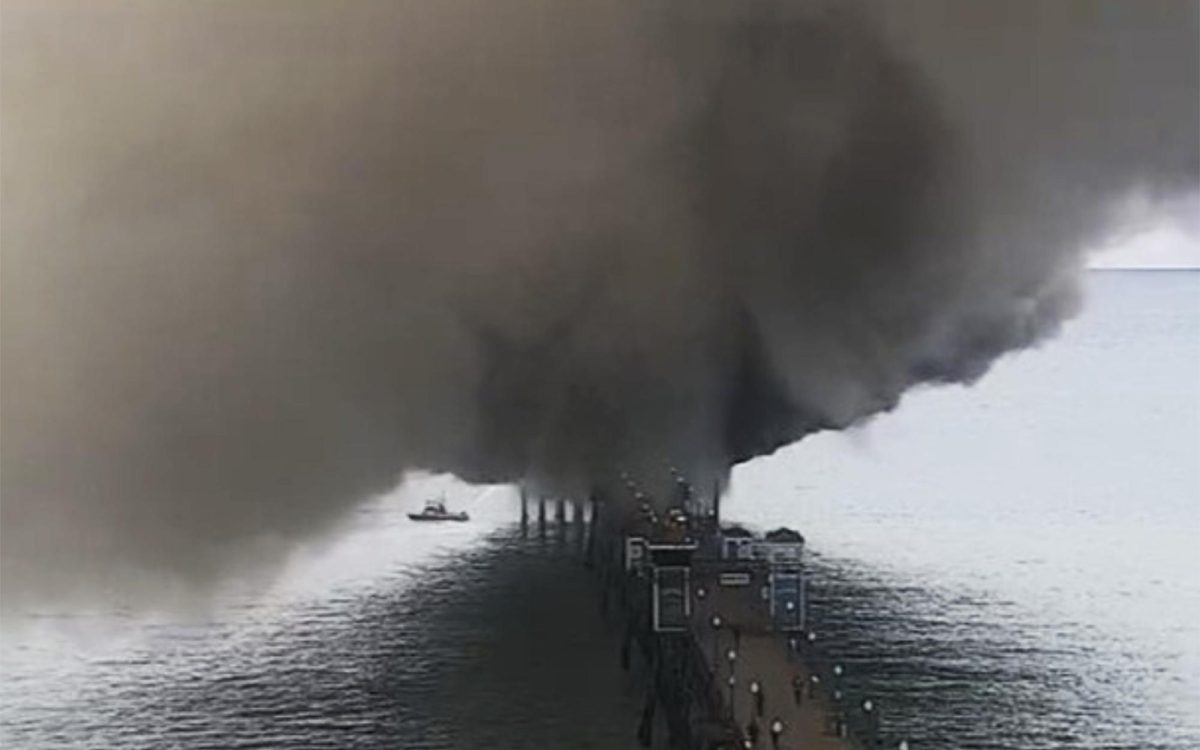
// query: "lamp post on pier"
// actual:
[[839, 711], [732, 681], [731, 655], [757, 694], [810, 650], [716, 626], [872, 716], [776, 733]]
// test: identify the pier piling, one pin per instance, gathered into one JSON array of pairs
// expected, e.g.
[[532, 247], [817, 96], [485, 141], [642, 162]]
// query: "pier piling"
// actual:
[[589, 555], [524, 513]]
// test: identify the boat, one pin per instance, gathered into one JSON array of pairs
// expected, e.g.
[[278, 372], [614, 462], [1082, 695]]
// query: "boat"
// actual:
[[435, 510]]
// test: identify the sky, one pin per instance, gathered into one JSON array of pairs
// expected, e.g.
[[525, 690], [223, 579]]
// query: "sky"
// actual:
[[1170, 241], [1165, 246]]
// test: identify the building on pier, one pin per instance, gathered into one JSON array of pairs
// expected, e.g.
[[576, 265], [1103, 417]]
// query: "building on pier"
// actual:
[[672, 555], [714, 612], [783, 550]]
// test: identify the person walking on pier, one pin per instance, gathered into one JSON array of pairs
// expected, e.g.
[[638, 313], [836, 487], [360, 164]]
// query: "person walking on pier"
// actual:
[[798, 689], [752, 732], [757, 692]]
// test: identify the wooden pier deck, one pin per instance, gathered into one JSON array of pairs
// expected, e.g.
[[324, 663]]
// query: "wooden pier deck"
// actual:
[[689, 702], [762, 655], [691, 670]]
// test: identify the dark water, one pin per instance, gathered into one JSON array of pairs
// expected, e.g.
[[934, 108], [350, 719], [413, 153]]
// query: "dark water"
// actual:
[[960, 671], [498, 646]]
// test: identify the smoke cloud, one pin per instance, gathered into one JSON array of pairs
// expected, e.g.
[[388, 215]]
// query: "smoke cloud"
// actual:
[[260, 259]]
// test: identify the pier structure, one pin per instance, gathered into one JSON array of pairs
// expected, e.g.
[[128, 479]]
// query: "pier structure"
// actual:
[[717, 616], [571, 518], [524, 511]]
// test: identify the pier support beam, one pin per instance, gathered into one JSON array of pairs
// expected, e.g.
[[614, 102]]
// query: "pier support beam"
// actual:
[[524, 513], [560, 521], [541, 515], [580, 524], [593, 517]]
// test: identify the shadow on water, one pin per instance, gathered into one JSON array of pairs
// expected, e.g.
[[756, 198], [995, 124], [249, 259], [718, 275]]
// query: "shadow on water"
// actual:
[[525, 659], [500, 646]]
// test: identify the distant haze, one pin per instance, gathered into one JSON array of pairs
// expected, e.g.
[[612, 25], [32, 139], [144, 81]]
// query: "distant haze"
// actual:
[[1170, 238], [259, 259]]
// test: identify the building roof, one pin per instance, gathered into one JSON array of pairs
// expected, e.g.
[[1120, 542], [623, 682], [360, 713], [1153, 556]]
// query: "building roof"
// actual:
[[737, 531], [785, 535]]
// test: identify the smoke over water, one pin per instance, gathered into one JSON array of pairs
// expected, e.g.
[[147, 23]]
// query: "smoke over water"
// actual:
[[259, 261]]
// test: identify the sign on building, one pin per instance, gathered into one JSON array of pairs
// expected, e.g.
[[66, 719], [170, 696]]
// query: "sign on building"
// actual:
[[635, 553], [672, 602], [787, 599]]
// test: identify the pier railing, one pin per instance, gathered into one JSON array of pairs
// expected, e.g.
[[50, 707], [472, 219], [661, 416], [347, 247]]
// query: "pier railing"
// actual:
[[850, 715], [708, 692]]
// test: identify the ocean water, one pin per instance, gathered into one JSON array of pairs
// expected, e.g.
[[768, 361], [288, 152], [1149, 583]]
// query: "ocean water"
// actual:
[[1017, 564], [1014, 565]]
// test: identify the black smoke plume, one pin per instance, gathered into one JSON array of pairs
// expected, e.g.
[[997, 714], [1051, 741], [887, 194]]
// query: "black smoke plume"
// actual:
[[260, 258]]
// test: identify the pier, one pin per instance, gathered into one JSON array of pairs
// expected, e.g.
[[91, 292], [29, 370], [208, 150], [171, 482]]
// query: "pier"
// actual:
[[714, 619]]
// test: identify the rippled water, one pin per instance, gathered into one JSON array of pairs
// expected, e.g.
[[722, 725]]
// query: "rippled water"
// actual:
[[962, 671], [495, 645], [1015, 565], [1009, 566]]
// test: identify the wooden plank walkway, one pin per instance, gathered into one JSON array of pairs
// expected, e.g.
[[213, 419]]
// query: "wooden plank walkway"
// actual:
[[762, 655]]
